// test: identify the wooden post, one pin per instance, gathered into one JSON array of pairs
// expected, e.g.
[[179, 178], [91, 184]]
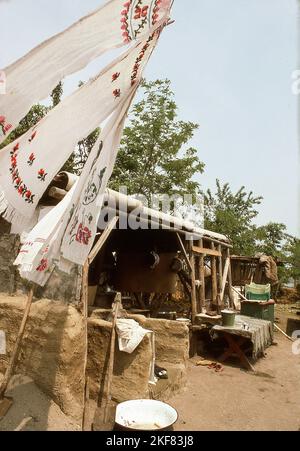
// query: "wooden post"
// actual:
[[214, 284], [16, 350], [193, 282], [84, 300], [220, 275], [118, 302], [231, 297], [225, 276], [202, 280], [182, 248]]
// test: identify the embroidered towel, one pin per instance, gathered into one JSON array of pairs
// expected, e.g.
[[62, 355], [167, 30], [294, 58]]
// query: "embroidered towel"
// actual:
[[33, 77], [73, 222], [28, 165]]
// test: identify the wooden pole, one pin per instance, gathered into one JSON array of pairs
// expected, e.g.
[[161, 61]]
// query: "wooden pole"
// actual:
[[231, 297], [193, 282], [86, 425], [224, 278], [84, 299], [118, 301], [183, 250], [202, 280], [214, 283], [16, 350], [220, 275], [102, 240]]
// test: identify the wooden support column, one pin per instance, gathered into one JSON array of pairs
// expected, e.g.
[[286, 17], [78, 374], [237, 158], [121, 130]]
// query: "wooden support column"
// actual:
[[231, 296], [220, 275], [202, 280], [214, 283], [193, 281]]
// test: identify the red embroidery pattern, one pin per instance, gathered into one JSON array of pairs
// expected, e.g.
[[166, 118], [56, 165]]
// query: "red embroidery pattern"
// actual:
[[115, 76], [19, 185], [43, 265], [83, 235], [32, 137], [5, 127], [125, 22], [155, 14], [136, 16], [139, 60], [42, 175], [31, 159], [117, 93]]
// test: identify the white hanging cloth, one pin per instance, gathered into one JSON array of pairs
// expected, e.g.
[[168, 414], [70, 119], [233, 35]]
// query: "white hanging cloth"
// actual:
[[66, 235], [29, 164], [34, 76]]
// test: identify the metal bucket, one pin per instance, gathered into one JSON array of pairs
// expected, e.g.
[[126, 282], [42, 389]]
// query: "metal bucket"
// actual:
[[145, 415], [228, 318]]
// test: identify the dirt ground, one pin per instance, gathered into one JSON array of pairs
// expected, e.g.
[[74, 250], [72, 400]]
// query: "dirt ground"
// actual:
[[30, 402], [231, 400], [268, 400]]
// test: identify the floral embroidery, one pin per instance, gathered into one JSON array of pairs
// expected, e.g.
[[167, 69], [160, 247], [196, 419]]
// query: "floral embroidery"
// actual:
[[43, 265], [83, 235], [31, 159], [19, 185], [141, 12], [5, 127], [32, 137], [42, 175], [136, 16], [117, 93], [125, 20], [115, 76], [139, 60]]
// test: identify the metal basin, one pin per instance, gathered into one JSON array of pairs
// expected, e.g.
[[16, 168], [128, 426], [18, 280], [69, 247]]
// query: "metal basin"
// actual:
[[145, 415]]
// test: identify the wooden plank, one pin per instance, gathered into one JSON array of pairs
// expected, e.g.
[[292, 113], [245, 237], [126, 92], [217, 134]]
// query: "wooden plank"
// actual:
[[225, 275], [16, 350], [202, 279], [220, 274], [214, 283], [183, 250], [102, 240], [231, 296], [205, 251], [84, 300], [193, 282]]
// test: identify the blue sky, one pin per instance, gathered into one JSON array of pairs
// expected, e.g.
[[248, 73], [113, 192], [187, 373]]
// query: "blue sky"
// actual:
[[230, 64]]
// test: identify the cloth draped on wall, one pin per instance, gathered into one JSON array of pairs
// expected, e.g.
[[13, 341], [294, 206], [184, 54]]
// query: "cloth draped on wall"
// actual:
[[66, 235], [28, 165], [34, 255], [34, 76]]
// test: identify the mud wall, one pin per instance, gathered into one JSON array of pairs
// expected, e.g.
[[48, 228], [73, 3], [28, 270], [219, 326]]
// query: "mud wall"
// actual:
[[52, 352]]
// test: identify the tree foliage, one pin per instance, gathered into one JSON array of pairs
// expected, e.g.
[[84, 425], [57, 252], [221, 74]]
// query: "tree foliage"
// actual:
[[232, 214], [152, 158]]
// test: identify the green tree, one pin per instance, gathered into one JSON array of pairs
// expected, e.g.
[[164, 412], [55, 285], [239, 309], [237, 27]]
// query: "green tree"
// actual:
[[152, 158], [271, 239], [232, 214]]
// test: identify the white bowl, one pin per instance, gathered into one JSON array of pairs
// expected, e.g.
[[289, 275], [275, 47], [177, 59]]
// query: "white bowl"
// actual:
[[145, 415]]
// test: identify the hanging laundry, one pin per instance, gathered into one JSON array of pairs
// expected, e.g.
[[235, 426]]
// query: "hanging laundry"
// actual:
[[28, 165], [35, 75]]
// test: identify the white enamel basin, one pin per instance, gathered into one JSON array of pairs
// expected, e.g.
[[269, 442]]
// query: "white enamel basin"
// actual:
[[145, 415]]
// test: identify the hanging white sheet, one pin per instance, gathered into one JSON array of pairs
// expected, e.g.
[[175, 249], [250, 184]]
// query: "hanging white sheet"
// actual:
[[34, 76]]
